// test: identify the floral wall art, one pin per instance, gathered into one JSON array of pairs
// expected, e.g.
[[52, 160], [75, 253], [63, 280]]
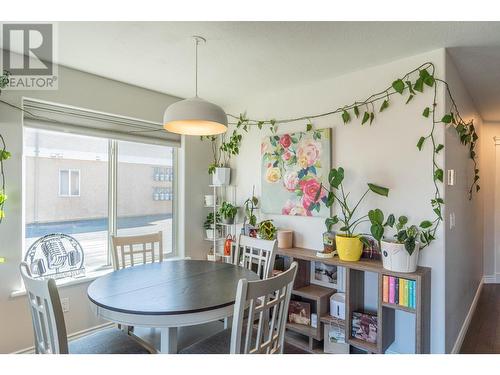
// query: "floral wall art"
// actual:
[[293, 167]]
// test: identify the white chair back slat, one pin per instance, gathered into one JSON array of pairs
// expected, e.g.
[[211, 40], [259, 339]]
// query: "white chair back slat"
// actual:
[[46, 314], [267, 304], [131, 250], [256, 254]]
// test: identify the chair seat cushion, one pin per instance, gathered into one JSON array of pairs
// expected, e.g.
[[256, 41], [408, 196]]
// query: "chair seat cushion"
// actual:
[[220, 343], [106, 341]]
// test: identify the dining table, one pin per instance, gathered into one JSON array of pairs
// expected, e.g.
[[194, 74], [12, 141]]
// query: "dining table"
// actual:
[[168, 295]]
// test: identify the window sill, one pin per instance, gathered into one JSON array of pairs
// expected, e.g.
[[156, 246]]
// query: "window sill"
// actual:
[[69, 281]]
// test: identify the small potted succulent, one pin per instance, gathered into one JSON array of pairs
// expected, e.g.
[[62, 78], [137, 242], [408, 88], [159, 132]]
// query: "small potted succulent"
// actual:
[[228, 212], [401, 253], [210, 228], [266, 230], [349, 244]]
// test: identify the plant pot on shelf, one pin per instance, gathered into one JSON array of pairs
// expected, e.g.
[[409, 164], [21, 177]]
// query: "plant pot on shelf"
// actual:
[[228, 220], [209, 200], [395, 257], [221, 176], [349, 248], [211, 233]]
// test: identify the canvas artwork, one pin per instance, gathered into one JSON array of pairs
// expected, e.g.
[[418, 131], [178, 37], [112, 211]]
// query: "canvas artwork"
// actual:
[[293, 167]]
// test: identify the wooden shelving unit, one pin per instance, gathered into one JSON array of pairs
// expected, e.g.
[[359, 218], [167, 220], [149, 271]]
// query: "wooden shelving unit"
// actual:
[[354, 291]]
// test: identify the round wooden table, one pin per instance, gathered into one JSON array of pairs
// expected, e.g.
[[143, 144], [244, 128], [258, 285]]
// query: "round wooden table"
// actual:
[[168, 295]]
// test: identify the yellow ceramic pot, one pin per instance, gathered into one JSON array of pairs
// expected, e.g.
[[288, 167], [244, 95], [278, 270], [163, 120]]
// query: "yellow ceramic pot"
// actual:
[[349, 248]]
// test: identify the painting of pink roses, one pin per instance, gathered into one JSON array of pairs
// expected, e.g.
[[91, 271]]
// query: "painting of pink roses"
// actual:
[[293, 168]]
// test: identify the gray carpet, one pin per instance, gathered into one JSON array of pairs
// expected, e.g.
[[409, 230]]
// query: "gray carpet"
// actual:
[[106, 341]]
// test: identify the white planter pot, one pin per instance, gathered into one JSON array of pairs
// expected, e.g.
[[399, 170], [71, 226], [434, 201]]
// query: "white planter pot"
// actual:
[[221, 176], [210, 233], [209, 200], [395, 257]]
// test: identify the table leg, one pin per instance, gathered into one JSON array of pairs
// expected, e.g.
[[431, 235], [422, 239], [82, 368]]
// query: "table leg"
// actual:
[[168, 341]]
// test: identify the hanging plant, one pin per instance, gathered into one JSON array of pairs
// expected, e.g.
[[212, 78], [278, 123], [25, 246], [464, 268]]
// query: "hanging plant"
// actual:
[[4, 154], [409, 85]]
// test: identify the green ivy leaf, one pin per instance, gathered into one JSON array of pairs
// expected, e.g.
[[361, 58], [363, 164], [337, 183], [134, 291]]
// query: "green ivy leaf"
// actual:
[[335, 177], [259, 124], [439, 148], [380, 190], [398, 85], [346, 117], [331, 221], [447, 118], [409, 99], [425, 224], [410, 88], [426, 112], [419, 85], [4, 155], [356, 111], [420, 143], [390, 221], [438, 175], [366, 117], [309, 127], [372, 117], [384, 105]]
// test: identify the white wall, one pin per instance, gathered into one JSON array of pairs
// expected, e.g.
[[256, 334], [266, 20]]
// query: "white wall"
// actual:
[[87, 91], [384, 153], [488, 169], [464, 241]]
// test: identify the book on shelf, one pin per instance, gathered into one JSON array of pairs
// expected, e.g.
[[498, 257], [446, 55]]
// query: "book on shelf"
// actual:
[[399, 291]]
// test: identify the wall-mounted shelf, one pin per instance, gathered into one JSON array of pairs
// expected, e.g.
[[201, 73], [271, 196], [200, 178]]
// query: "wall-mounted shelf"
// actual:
[[355, 298]]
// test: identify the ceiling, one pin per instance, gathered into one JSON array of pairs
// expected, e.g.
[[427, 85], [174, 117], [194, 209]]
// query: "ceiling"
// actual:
[[243, 59]]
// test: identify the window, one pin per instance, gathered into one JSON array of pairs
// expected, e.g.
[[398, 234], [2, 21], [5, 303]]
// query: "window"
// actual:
[[67, 165], [69, 182]]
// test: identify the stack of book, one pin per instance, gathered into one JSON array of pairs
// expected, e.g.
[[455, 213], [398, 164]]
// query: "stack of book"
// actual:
[[399, 291]]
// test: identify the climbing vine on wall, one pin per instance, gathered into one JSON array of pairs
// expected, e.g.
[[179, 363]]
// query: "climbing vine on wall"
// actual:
[[406, 87], [4, 154]]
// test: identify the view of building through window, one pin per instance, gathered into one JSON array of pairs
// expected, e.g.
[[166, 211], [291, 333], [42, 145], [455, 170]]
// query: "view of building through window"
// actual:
[[67, 190]]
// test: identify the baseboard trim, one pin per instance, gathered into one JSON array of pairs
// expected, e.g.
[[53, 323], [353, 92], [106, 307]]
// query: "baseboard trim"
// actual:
[[465, 326], [492, 279], [72, 336]]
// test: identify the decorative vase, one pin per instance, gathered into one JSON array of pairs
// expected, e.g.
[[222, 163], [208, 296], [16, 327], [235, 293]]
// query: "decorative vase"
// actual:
[[395, 257], [285, 239], [209, 200], [349, 248], [221, 176]]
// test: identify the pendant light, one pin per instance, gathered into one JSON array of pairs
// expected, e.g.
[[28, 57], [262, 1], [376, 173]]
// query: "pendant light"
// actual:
[[195, 116]]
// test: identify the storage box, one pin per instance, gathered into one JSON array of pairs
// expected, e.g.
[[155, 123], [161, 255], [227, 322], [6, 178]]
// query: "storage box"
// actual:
[[337, 305]]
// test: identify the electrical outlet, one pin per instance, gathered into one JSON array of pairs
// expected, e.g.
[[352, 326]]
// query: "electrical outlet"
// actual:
[[451, 177], [65, 304]]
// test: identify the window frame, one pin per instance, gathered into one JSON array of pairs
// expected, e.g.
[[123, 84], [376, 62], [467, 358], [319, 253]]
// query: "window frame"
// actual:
[[70, 171], [113, 193]]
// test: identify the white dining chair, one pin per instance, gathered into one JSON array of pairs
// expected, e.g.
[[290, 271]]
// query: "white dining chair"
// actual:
[[50, 329], [256, 254], [265, 302], [134, 250]]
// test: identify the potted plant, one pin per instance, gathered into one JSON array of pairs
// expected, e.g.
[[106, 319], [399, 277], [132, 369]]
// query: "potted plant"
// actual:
[[219, 168], [400, 254], [210, 228], [349, 244], [250, 206], [228, 212], [266, 230]]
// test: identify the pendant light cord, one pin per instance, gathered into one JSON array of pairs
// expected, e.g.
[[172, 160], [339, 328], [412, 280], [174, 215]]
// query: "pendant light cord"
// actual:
[[196, 67]]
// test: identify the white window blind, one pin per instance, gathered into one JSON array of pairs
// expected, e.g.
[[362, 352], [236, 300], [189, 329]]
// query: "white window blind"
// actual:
[[51, 116]]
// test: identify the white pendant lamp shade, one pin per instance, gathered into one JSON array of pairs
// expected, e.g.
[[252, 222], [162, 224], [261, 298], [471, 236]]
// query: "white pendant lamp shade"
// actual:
[[195, 116]]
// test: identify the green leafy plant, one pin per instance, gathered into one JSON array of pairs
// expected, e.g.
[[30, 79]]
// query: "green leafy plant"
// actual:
[[267, 230], [209, 221], [4, 154], [228, 211], [223, 150], [348, 219], [405, 234], [250, 205]]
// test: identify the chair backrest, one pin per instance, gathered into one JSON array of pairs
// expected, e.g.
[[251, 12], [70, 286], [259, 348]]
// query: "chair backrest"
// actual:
[[133, 250], [267, 304], [46, 313], [256, 254]]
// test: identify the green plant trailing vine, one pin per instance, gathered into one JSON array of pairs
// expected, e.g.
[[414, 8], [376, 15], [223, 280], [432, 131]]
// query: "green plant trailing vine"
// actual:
[[4, 154], [408, 86]]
